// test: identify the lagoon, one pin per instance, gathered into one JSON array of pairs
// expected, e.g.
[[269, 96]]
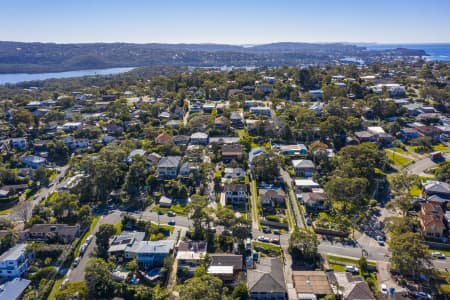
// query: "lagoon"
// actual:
[[21, 77]]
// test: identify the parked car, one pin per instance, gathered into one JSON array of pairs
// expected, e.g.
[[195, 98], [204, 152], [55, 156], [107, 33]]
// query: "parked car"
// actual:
[[89, 239], [83, 248], [76, 261], [308, 222], [383, 289], [266, 230], [380, 240], [351, 269], [172, 223], [438, 255], [423, 295], [160, 212], [262, 238], [171, 214], [276, 232], [275, 241]]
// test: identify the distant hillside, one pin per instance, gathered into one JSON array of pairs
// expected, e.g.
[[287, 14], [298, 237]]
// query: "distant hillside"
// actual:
[[16, 57]]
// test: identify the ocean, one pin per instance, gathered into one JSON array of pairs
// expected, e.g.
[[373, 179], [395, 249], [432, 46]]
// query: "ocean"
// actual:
[[436, 52]]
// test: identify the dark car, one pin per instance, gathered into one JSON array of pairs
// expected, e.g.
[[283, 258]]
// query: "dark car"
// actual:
[[171, 223], [266, 230], [160, 212], [276, 232]]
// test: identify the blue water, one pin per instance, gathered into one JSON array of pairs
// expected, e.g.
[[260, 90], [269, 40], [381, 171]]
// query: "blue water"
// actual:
[[436, 52], [20, 77]]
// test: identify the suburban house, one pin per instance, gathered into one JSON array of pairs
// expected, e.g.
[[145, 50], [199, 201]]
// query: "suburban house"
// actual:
[[265, 88], [303, 167], [199, 138], [62, 232], [14, 262], [409, 133], [120, 244], [260, 110], [113, 128], [365, 136], [224, 140], [231, 151], [350, 287], [235, 193], [190, 254], [13, 290], [272, 197], [33, 161], [436, 188], [74, 143], [208, 107], [311, 284], [233, 173], [266, 281], [168, 166], [163, 138], [149, 254], [430, 131], [431, 219], [134, 153], [152, 159], [165, 201], [236, 119], [181, 140], [221, 122], [18, 143], [72, 126], [188, 168], [226, 266], [293, 150], [314, 201]]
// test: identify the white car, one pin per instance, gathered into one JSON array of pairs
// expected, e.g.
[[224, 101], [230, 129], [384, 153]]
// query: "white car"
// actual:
[[380, 240], [351, 269], [438, 255], [89, 239], [383, 289], [76, 261]]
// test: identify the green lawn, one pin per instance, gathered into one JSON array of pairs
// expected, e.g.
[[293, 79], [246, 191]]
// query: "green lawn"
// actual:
[[176, 208], [346, 260], [397, 159], [6, 211], [441, 147], [268, 246]]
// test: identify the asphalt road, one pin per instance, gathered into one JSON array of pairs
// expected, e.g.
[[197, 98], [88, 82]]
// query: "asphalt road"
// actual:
[[43, 193], [374, 251], [421, 166], [77, 274]]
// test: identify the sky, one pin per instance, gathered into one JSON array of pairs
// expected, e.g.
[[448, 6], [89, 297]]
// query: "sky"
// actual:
[[225, 21]]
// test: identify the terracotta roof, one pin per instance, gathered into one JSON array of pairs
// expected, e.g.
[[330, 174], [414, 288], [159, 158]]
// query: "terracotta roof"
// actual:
[[163, 138]]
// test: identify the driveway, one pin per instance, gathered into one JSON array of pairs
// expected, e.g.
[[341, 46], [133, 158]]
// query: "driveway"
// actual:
[[77, 274]]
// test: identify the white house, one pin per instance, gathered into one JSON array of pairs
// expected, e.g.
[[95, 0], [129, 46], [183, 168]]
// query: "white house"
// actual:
[[72, 126], [33, 161], [199, 138], [14, 262]]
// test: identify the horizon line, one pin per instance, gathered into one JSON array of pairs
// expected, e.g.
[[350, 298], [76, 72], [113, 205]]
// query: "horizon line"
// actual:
[[231, 44]]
